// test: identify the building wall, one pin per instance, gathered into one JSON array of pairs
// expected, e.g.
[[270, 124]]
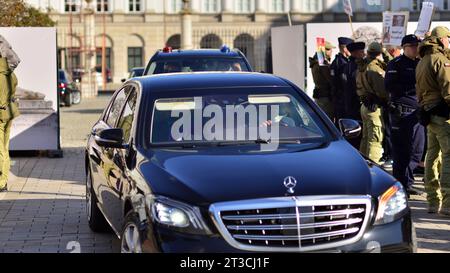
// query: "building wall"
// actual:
[[157, 20]]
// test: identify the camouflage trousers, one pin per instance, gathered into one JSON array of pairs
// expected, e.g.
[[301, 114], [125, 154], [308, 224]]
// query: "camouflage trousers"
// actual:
[[326, 104], [5, 162], [437, 163], [372, 135]]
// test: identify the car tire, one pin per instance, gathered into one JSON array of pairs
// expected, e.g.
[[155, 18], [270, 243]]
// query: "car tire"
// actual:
[[68, 99], [96, 219], [76, 97], [132, 237]]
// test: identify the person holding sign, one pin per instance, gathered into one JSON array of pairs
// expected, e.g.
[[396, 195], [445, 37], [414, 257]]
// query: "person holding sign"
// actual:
[[408, 136], [323, 81], [373, 95], [433, 93]]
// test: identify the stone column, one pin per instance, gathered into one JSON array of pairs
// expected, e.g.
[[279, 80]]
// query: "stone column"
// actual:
[[195, 6], [227, 6], [186, 26], [296, 6], [261, 6], [89, 88], [260, 10]]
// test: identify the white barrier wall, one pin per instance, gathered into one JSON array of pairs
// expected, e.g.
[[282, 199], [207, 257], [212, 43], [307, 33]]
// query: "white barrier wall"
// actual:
[[37, 128], [288, 53]]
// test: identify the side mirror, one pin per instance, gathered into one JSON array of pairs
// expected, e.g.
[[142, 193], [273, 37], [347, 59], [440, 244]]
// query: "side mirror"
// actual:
[[123, 80], [350, 128], [111, 138]]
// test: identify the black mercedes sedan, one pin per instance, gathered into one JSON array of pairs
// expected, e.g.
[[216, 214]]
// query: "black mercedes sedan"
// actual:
[[236, 162]]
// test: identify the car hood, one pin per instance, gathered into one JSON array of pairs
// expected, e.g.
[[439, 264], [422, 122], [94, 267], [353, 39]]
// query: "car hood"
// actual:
[[205, 176]]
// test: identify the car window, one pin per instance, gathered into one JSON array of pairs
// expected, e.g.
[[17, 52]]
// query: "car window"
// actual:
[[197, 65], [62, 76], [127, 117], [116, 107], [173, 122]]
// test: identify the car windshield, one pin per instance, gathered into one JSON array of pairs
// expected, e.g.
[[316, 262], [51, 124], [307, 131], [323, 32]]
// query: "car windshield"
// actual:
[[230, 117], [63, 76], [137, 72], [199, 64]]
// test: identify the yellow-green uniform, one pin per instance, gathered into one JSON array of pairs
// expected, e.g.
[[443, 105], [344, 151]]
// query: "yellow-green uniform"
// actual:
[[8, 111], [323, 82], [371, 90], [433, 93]]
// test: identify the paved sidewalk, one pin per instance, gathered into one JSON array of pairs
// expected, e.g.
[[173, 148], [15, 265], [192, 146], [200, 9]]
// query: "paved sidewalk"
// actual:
[[44, 211]]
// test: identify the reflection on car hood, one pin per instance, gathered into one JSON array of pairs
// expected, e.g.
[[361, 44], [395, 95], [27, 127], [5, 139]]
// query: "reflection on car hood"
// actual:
[[208, 175]]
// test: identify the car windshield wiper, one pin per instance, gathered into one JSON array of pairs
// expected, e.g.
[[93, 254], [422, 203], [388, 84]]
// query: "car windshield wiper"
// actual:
[[259, 141]]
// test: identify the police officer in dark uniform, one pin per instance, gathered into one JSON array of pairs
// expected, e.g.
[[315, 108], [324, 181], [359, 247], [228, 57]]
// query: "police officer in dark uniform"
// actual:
[[352, 102], [351, 99], [336, 69], [408, 136]]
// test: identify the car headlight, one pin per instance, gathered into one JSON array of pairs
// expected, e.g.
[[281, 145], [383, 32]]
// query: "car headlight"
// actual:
[[391, 205], [176, 215]]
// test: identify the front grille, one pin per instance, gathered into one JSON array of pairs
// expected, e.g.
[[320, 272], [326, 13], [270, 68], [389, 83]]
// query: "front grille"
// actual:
[[293, 223]]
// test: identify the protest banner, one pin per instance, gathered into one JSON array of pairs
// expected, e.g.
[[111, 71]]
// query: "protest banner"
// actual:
[[395, 27], [320, 42], [425, 18]]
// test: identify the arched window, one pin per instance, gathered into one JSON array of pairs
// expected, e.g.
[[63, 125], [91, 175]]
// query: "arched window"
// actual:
[[246, 44], [174, 41], [211, 41]]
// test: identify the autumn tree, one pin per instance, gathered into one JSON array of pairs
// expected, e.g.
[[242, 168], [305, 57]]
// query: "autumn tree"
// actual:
[[16, 13]]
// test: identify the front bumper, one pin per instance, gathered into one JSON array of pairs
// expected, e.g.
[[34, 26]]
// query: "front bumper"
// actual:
[[396, 237]]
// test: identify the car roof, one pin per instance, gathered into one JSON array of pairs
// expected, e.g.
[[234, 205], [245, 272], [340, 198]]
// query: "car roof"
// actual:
[[204, 80], [196, 53]]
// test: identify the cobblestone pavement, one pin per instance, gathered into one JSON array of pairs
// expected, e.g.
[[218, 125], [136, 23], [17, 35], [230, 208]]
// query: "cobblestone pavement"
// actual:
[[44, 211]]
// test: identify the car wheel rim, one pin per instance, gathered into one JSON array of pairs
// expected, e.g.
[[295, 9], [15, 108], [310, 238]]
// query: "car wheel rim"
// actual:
[[131, 241], [88, 197], [77, 98]]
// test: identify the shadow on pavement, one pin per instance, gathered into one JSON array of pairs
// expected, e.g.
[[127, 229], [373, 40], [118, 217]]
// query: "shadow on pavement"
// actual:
[[70, 168]]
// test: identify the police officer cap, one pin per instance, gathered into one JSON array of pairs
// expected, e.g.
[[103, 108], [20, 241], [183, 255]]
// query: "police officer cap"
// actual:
[[410, 39], [440, 32], [345, 41], [329, 46], [375, 47], [356, 46]]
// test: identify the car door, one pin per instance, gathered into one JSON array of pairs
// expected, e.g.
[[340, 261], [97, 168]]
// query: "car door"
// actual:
[[102, 158], [118, 182]]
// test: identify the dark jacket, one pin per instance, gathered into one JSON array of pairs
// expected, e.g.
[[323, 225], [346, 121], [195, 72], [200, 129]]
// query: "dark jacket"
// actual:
[[322, 78], [400, 81]]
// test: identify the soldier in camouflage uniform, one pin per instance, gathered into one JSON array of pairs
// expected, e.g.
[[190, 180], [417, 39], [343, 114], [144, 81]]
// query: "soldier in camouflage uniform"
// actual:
[[8, 107], [433, 93], [373, 95]]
